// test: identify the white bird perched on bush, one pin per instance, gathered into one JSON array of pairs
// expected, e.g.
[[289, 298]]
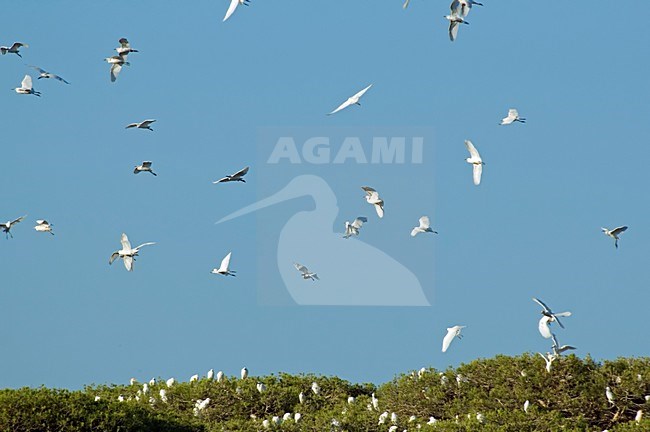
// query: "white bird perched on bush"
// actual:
[[612, 233], [302, 397], [261, 387], [163, 395], [210, 374], [352, 229], [224, 267], [43, 226], [610, 395], [219, 376], [526, 405], [26, 87], [244, 373], [452, 332], [513, 116], [424, 227], [152, 382], [383, 417], [170, 382], [296, 417], [375, 402], [194, 378], [352, 100], [315, 388]]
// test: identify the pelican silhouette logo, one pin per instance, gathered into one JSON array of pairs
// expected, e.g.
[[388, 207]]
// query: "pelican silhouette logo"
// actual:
[[309, 183]]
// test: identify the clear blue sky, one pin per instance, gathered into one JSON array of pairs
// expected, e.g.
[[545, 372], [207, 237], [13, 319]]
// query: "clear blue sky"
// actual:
[[532, 228]]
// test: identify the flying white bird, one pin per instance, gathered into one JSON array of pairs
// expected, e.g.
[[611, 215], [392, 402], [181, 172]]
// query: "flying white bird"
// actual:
[[13, 49], [116, 63], [406, 4], [146, 166], [548, 359], [45, 74], [609, 395], [6, 227], [611, 233], [43, 226], [546, 311], [557, 349], [425, 226], [124, 48], [127, 253], [372, 196], [305, 273], [455, 20], [26, 87], [476, 161], [452, 332], [352, 229], [244, 371], [513, 116], [238, 176], [353, 100], [233, 6], [462, 7], [223, 268], [544, 328], [145, 124]]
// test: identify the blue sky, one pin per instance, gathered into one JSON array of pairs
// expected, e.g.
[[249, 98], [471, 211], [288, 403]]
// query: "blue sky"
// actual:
[[532, 228]]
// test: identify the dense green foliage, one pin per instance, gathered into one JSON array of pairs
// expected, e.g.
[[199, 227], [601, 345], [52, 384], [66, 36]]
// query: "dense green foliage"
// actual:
[[486, 395]]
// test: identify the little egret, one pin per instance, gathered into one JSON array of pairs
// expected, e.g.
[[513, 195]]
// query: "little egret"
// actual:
[[127, 253], [546, 311], [610, 395], [233, 6], [372, 196], [611, 233], [425, 226], [125, 47], [352, 100], [352, 229], [452, 332], [513, 116], [305, 273], [238, 176], [45, 74], [144, 124], [476, 161], [244, 371], [6, 227], [223, 268], [116, 63], [210, 375], [43, 226], [26, 87], [145, 166], [13, 49]]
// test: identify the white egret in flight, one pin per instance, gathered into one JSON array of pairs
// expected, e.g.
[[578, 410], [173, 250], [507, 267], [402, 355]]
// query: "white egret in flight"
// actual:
[[476, 161], [145, 124], [26, 87], [116, 63], [462, 7], [372, 196], [223, 268], [352, 100], [544, 328], [145, 166], [127, 253], [43, 226], [548, 359], [13, 49], [238, 176], [352, 229], [455, 20], [305, 273], [452, 332], [6, 227], [424, 227], [45, 74], [612, 233], [233, 6], [557, 349], [513, 116], [546, 311], [125, 47]]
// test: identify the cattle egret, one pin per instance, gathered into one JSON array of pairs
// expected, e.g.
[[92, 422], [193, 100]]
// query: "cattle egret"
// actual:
[[305, 273], [223, 268], [145, 388], [412, 419], [233, 6], [152, 382], [120, 398], [350, 399], [97, 398], [372, 196], [200, 405], [144, 124], [383, 417], [219, 376], [13, 49], [244, 370], [609, 395], [286, 417], [353, 100], [548, 359], [315, 388], [26, 87], [546, 311], [170, 382], [266, 424], [557, 349], [125, 47], [261, 387], [210, 374], [425, 226], [43, 226], [526, 405], [116, 63], [301, 397], [462, 7], [421, 372], [238, 176], [638, 416], [454, 22], [452, 332], [276, 420], [611, 233], [163, 395], [513, 116], [352, 229], [145, 166], [194, 378], [392, 429], [133, 381], [443, 379], [127, 253], [480, 417], [393, 418], [476, 161], [45, 74], [544, 328], [6, 227], [432, 420], [296, 417]]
